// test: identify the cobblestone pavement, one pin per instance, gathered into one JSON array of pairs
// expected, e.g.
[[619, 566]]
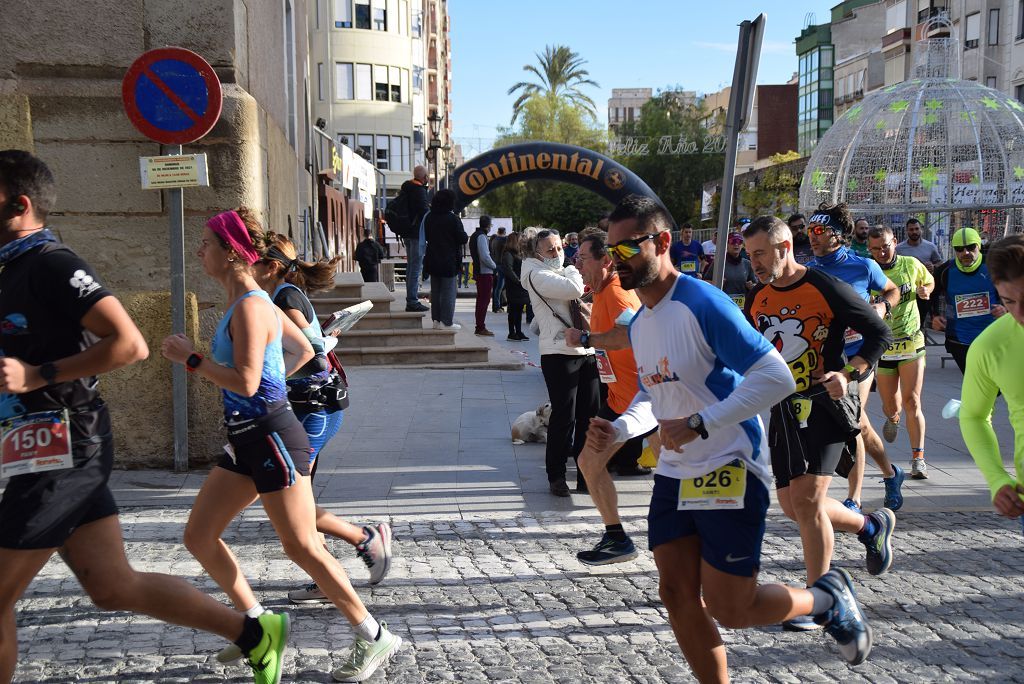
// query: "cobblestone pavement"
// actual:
[[505, 600]]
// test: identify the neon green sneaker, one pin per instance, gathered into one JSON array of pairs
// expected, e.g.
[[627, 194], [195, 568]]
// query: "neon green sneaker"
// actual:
[[367, 656], [265, 660]]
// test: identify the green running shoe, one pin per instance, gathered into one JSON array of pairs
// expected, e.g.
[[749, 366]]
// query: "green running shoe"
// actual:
[[367, 656], [265, 660]]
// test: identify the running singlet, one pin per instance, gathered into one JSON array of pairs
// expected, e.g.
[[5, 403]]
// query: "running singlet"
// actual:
[[863, 275], [805, 322], [45, 291], [969, 301], [994, 364], [612, 304], [692, 349], [686, 257], [272, 387], [907, 273], [287, 296]]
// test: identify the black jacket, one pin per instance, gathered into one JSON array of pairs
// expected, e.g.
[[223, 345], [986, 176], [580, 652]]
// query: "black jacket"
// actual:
[[445, 237], [419, 202], [511, 266], [369, 253]]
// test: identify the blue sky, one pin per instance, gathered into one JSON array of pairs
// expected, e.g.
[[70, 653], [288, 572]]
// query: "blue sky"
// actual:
[[627, 44]]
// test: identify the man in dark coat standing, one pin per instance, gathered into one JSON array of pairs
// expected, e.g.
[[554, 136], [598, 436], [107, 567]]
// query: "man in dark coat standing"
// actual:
[[369, 254]]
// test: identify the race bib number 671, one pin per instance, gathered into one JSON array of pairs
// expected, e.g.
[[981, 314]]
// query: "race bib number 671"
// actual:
[[35, 442]]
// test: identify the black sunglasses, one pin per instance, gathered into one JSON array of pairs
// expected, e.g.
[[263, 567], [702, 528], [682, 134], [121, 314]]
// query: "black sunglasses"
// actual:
[[969, 248]]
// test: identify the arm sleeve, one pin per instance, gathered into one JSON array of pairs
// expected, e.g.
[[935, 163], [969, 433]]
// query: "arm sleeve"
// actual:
[[638, 418], [978, 397], [460, 234], [877, 279], [857, 314], [565, 286], [767, 382], [484, 252], [922, 276], [508, 268], [939, 294]]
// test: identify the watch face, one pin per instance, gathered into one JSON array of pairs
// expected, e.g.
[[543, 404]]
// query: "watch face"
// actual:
[[694, 422]]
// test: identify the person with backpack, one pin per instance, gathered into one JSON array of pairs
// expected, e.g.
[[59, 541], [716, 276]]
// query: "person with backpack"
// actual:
[[368, 255], [404, 215]]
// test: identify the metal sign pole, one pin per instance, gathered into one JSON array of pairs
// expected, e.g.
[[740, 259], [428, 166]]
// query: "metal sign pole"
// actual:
[[176, 204], [741, 99]]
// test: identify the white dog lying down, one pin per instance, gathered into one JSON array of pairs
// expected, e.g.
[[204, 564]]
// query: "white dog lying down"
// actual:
[[532, 426]]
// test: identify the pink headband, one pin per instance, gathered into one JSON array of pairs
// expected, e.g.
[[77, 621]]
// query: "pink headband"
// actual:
[[229, 227]]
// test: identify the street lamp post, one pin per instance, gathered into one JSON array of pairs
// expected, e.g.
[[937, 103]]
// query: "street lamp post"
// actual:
[[435, 120]]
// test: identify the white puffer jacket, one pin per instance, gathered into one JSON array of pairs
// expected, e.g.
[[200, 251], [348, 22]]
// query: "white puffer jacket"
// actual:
[[559, 287]]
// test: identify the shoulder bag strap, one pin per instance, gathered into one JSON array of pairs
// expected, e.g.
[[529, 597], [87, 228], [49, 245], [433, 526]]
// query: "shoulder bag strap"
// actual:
[[529, 280]]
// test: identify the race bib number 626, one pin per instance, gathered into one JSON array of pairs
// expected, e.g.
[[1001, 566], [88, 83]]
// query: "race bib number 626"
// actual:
[[720, 489], [35, 442]]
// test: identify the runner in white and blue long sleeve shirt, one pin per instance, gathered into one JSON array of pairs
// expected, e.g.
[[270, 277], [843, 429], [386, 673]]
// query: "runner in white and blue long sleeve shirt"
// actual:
[[705, 374]]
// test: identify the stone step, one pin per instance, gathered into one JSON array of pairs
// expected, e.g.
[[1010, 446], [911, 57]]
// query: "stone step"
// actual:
[[328, 305], [346, 288], [356, 339], [394, 320], [418, 356]]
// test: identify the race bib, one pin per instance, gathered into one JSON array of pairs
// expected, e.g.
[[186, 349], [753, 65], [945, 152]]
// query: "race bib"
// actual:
[[970, 305], [720, 489], [688, 266], [741, 300], [802, 410], [851, 336], [902, 349], [604, 366], [34, 443]]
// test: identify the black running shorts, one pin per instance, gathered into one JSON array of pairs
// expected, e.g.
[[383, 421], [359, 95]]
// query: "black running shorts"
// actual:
[[271, 450], [42, 510]]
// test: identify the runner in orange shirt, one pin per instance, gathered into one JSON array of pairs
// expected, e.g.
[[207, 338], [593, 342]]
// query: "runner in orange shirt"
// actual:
[[613, 308]]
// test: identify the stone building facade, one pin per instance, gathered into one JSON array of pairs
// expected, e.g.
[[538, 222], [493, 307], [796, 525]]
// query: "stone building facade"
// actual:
[[60, 95]]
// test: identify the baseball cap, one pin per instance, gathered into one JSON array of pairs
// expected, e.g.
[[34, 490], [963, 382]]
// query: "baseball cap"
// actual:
[[966, 236], [735, 239]]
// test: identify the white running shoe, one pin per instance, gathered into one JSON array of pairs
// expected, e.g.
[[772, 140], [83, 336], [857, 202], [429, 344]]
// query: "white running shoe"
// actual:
[[310, 593], [366, 656], [437, 325], [453, 326], [375, 551], [918, 469]]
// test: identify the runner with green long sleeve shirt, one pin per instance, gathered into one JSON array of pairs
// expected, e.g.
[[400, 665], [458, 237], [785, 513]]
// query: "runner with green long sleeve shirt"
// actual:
[[994, 365]]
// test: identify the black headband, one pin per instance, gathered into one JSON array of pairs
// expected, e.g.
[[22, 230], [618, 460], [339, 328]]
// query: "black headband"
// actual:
[[280, 257]]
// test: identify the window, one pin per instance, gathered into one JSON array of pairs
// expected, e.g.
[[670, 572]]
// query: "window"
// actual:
[[417, 23], [1018, 92], [1020, 19], [403, 17], [405, 86], [991, 82], [289, 69], [364, 82], [417, 78], [320, 81], [973, 31], [364, 145], [896, 16], [993, 27], [342, 13], [383, 156], [316, 14], [380, 16], [362, 14], [344, 85], [406, 159], [380, 83], [395, 80]]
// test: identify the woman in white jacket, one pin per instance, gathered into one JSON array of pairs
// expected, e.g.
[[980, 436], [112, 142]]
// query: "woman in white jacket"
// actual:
[[570, 373]]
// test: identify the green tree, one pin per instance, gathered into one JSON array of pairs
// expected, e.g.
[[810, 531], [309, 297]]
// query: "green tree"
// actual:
[[561, 76], [669, 123], [775, 191]]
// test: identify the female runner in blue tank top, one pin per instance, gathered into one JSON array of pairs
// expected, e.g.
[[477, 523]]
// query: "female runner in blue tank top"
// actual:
[[287, 279], [267, 455]]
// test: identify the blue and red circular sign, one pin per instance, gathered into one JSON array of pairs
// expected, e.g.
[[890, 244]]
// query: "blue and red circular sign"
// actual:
[[172, 95]]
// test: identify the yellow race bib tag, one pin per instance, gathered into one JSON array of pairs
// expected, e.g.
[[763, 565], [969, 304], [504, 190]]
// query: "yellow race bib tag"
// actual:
[[688, 266], [741, 300], [720, 489], [802, 410], [902, 349]]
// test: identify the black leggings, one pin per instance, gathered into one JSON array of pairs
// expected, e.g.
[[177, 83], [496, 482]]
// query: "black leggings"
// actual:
[[574, 392], [958, 350], [515, 318]]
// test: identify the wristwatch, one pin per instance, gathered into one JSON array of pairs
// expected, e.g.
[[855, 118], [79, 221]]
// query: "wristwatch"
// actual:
[[888, 308], [48, 372], [696, 423], [585, 339], [855, 375], [193, 361]]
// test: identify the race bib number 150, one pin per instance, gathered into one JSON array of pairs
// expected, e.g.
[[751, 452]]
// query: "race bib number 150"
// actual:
[[35, 442]]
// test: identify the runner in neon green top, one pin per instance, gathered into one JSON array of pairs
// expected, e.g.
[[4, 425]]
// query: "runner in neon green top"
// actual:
[[995, 364], [901, 369]]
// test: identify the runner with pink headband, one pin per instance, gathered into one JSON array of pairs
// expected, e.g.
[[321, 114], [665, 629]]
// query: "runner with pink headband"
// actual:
[[229, 227]]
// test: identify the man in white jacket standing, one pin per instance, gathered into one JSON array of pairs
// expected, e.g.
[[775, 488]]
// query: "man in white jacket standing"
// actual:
[[705, 375], [570, 373]]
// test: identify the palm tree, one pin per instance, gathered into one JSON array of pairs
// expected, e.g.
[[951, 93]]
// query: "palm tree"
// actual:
[[561, 75]]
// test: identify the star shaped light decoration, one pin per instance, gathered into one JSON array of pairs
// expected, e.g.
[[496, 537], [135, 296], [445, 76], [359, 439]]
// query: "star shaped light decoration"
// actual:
[[933, 105], [880, 175], [852, 184], [1018, 172], [899, 105], [967, 116], [854, 112], [930, 118], [929, 176], [990, 102], [1016, 105]]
